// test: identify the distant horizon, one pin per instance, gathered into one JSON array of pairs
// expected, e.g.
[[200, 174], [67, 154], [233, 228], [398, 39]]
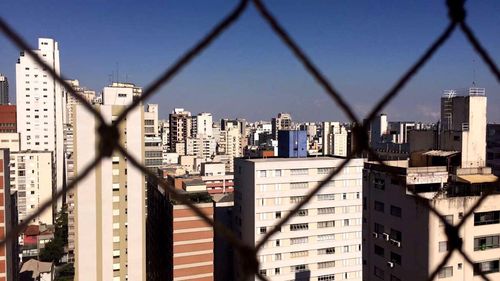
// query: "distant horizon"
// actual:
[[248, 72]]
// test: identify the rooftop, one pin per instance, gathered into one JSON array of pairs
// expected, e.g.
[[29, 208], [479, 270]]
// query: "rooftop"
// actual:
[[281, 159]]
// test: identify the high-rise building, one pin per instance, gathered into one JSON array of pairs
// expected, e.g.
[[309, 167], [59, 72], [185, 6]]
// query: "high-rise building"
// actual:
[[110, 212], [9, 264], [282, 122], [192, 248], [202, 147], [153, 150], [493, 148], [4, 89], [69, 120], [335, 138], [32, 177], [451, 179], [8, 119], [323, 240], [230, 144], [180, 128], [202, 125], [40, 106]]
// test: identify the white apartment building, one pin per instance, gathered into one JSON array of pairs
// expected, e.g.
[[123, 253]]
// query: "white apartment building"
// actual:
[[110, 230], [335, 139], [31, 175], [153, 151], [40, 106], [323, 240], [202, 125], [230, 144], [202, 147]]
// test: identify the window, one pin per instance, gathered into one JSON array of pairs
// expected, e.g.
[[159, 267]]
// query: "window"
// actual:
[[329, 277], [298, 268], [324, 197], [277, 173], [277, 271], [277, 243], [344, 196], [395, 211], [299, 172], [396, 235], [299, 240], [379, 184], [379, 206], [443, 246], [378, 272], [299, 185], [326, 264], [326, 224], [446, 272], [486, 267], [346, 222], [263, 272], [326, 251], [299, 226], [296, 199], [326, 237], [486, 242], [299, 254], [302, 213], [448, 218], [277, 257], [395, 258], [262, 174], [379, 228], [263, 230], [487, 218], [324, 211], [379, 251], [324, 171], [277, 215]]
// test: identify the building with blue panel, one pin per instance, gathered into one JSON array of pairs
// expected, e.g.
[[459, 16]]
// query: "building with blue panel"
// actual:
[[292, 144]]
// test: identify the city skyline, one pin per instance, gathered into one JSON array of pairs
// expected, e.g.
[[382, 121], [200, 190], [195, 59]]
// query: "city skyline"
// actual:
[[362, 42]]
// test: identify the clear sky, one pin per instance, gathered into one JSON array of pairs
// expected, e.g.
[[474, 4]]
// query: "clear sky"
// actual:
[[361, 46]]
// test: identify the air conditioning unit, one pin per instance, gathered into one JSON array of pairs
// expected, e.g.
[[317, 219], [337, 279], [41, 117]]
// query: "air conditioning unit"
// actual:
[[375, 234], [396, 243], [385, 236], [390, 264]]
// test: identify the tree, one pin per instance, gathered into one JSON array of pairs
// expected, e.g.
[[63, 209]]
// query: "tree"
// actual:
[[53, 251]]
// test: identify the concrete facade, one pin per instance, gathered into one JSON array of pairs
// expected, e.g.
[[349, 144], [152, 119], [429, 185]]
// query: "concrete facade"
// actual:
[[323, 240]]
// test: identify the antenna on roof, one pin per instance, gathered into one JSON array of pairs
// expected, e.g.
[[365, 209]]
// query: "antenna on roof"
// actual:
[[474, 72]]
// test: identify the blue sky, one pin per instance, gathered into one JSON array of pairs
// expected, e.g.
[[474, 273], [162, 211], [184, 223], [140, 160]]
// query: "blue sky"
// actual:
[[361, 46]]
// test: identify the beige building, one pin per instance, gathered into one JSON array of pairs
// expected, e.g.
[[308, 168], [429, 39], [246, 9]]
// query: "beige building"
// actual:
[[10, 141], [323, 240], [230, 144], [31, 175], [403, 239], [335, 139], [110, 202]]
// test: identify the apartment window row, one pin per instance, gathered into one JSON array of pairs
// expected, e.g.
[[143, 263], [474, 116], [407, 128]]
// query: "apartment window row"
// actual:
[[485, 218], [324, 171], [299, 240], [326, 264], [299, 172], [379, 183], [299, 226], [269, 173], [329, 277], [486, 267], [486, 242], [299, 268], [299, 185], [298, 254]]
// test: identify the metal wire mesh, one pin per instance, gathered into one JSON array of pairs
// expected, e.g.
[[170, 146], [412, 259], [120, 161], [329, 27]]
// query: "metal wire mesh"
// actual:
[[109, 138]]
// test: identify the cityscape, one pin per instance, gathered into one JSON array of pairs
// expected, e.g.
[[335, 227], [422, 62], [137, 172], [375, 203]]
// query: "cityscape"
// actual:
[[107, 184]]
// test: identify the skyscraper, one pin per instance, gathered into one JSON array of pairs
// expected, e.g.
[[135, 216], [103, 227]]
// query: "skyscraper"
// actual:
[[180, 129], [110, 212], [4, 89], [282, 122], [40, 106]]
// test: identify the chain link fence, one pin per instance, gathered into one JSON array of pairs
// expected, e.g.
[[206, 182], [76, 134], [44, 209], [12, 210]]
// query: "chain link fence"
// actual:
[[109, 136]]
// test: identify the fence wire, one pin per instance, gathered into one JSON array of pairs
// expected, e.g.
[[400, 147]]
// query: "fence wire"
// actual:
[[109, 137]]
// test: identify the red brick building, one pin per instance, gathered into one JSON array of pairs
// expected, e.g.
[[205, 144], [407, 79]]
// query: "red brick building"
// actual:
[[8, 119]]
